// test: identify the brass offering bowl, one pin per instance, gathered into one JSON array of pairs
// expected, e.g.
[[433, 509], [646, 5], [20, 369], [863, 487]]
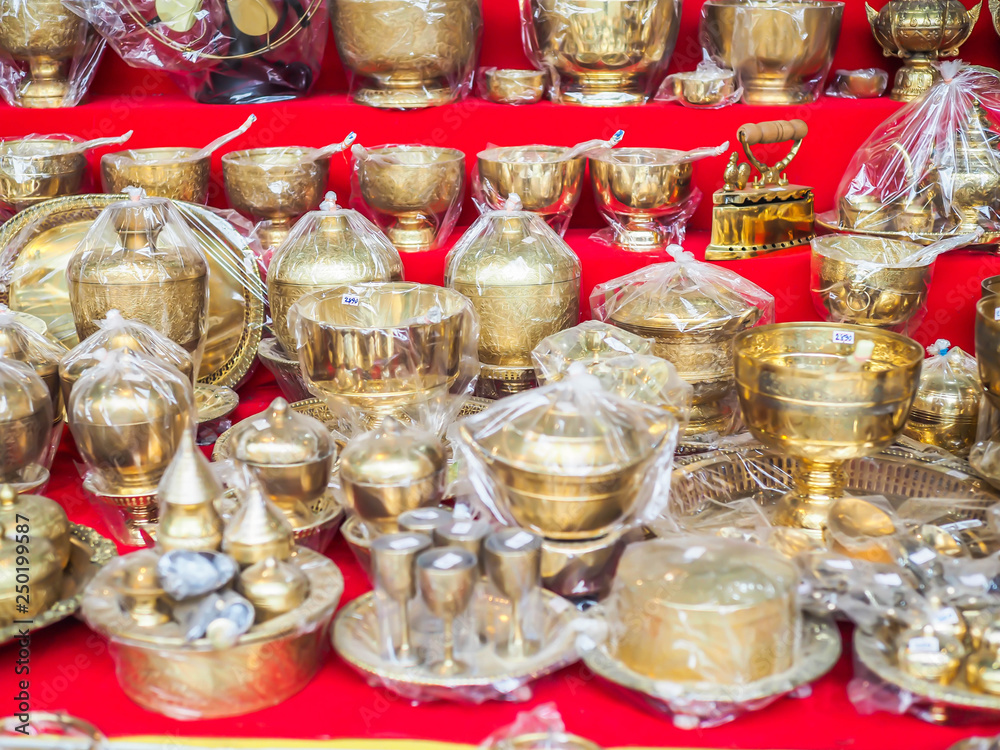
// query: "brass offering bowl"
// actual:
[[384, 354], [34, 170], [635, 188], [863, 280], [780, 49], [860, 529], [510, 86], [408, 54], [275, 185], [807, 395], [859, 84], [411, 190], [605, 53], [162, 172], [699, 89]]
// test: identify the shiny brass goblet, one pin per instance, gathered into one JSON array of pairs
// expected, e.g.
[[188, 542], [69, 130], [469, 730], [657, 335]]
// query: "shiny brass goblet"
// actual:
[[781, 50], [275, 185], [408, 54], [413, 192], [34, 170], [448, 578], [175, 173], [393, 572], [635, 189], [513, 561], [606, 52], [823, 393]]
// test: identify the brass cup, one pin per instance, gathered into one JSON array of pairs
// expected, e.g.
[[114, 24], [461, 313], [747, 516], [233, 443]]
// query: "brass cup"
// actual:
[[635, 189], [856, 288], [510, 86], [780, 50], [384, 362], [698, 90], [393, 558], [32, 171], [547, 184], [447, 578], [275, 185], [408, 54], [513, 562], [162, 172], [859, 84], [379, 505], [44, 36], [411, 190], [606, 52], [797, 401]]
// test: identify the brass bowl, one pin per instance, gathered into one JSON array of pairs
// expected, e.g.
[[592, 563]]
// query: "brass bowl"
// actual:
[[781, 50], [698, 90], [606, 52], [635, 188], [411, 191], [798, 401], [375, 358], [857, 279], [988, 347], [32, 171], [285, 369], [511, 86], [860, 84], [408, 54], [275, 185], [163, 172], [990, 286], [546, 183]]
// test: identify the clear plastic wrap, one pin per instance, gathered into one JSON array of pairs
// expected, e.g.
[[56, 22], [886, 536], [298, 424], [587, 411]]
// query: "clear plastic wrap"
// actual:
[[511, 86], [388, 349], [706, 87], [218, 53], [932, 168], [541, 728], [524, 283], [408, 54], [867, 83], [27, 420], [692, 311], [142, 258], [600, 54], [413, 193], [590, 342], [645, 378], [781, 51], [48, 55]]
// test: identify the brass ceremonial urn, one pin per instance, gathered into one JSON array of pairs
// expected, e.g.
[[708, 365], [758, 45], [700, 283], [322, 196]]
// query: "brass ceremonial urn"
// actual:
[[823, 393], [605, 52], [919, 32], [180, 174], [36, 169], [408, 54]]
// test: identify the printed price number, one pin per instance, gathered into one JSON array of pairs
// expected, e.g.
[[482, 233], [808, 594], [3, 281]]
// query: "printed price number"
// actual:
[[843, 337]]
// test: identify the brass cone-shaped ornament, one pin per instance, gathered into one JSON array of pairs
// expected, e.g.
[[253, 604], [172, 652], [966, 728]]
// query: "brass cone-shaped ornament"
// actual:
[[258, 530], [47, 519], [274, 587], [188, 518]]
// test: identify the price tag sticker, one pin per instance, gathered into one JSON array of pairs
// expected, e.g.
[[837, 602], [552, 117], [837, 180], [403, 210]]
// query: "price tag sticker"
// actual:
[[968, 523], [838, 564], [350, 299], [520, 540], [975, 580], [406, 542], [448, 561], [923, 644], [946, 616], [922, 556], [424, 514], [996, 314], [843, 337], [693, 553], [461, 527], [888, 579]]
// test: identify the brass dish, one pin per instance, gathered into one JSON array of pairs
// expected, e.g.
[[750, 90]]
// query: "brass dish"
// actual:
[[164, 172], [38, 268], [698, 90], [355, 632], [88, 552]]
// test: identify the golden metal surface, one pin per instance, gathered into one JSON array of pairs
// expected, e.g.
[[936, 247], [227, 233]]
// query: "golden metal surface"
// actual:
[[945, 411], [858, 528], [41, 354], [273, 587], [836, 221], [545, 741], [32, 171], [990, 285], [26, 419], [778, 49], [257, 530], [511, 86], [214, 402], [188, 519], [422, 67], [37, 265], [46, 518], [164, 172], [700, 90], [546, 183]]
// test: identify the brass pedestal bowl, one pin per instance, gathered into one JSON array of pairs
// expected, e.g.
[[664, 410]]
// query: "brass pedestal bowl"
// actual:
[[781, 51], [36, 169], [823, 394], [172, 173]]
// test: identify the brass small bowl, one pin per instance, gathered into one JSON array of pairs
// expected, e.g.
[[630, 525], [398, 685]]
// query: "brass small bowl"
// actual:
[[860, 84], [699, 90], [511, 86], [411, 190], [546, 183], [34, 170], [162, 172], [860, 529]]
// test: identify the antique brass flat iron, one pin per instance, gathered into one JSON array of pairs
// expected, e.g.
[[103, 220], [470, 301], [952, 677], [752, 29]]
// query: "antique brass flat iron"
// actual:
[[769, 214]]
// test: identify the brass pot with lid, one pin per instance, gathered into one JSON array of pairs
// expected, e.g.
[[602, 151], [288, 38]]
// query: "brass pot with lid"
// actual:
[[290, 454], [589, 343], [524, 282], [329, 247], [26, 417], [273, 587], [21, 343], [46, 518]]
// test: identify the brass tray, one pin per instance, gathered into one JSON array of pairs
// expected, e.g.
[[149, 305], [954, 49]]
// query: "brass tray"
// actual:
[[830, 221], [820, 649], [930, 701], [89, 551], [33, 269], [355, 639]]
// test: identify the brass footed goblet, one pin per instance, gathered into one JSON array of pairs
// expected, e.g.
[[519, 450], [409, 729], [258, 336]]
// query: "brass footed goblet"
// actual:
[[448, 578], [175, 173], [823, 394], [33, 170], [392, 565], [513, 559], [275, 185], [413, 192]]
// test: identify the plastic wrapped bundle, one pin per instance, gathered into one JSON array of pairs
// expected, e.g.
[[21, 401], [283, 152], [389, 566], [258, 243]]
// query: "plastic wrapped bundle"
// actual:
[[37, 167], [21, 343], [868, 83], [945, 412], [647, 379], [591, 343]]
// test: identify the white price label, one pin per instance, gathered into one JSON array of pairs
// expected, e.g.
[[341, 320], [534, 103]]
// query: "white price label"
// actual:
[[843, 337], [351, 299], [519, 540], [996, 314], [922, 556], [968, 523], [427, 514], [924, 644], [888, 579], [975, 580], [461, 527], [946, 616], [406, 542], [693, 553], [838, 564], [448, 561]]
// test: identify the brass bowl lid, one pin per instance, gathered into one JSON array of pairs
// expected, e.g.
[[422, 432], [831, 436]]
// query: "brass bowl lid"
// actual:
[[19, 342], [392, 454], [281, 436], [687, 310], [590, 342], [273, 585]]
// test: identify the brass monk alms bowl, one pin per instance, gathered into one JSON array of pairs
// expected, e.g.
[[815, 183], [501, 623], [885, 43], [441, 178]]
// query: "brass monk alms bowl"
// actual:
[[806, 395], [35, 169], [172, 173]]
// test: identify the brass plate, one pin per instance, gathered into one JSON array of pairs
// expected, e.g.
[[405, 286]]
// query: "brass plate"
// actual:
[[830, 221], [214, 402], [36, 262], [89, 551], [819, 650], [355, 638]]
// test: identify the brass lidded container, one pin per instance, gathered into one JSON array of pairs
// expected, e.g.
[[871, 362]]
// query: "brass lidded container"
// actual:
[[524, 282], [589, 343], [26, 417], [140, 257], [188, 519], [945, 411], [273, 587], [21, 343], [329, 247], [46, 517], [290, 454], [391, 470]]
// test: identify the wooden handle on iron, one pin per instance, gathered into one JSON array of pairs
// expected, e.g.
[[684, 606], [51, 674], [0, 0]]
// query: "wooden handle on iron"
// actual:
[[775, 131]]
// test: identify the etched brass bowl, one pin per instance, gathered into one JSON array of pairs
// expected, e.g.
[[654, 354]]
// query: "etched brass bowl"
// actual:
[[547, 183], [780, 49], [32, 171], [163, 172], [804, 395]]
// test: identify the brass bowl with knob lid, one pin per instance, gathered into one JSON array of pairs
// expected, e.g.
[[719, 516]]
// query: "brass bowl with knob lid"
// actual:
[[26, 417], [945, 411]]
